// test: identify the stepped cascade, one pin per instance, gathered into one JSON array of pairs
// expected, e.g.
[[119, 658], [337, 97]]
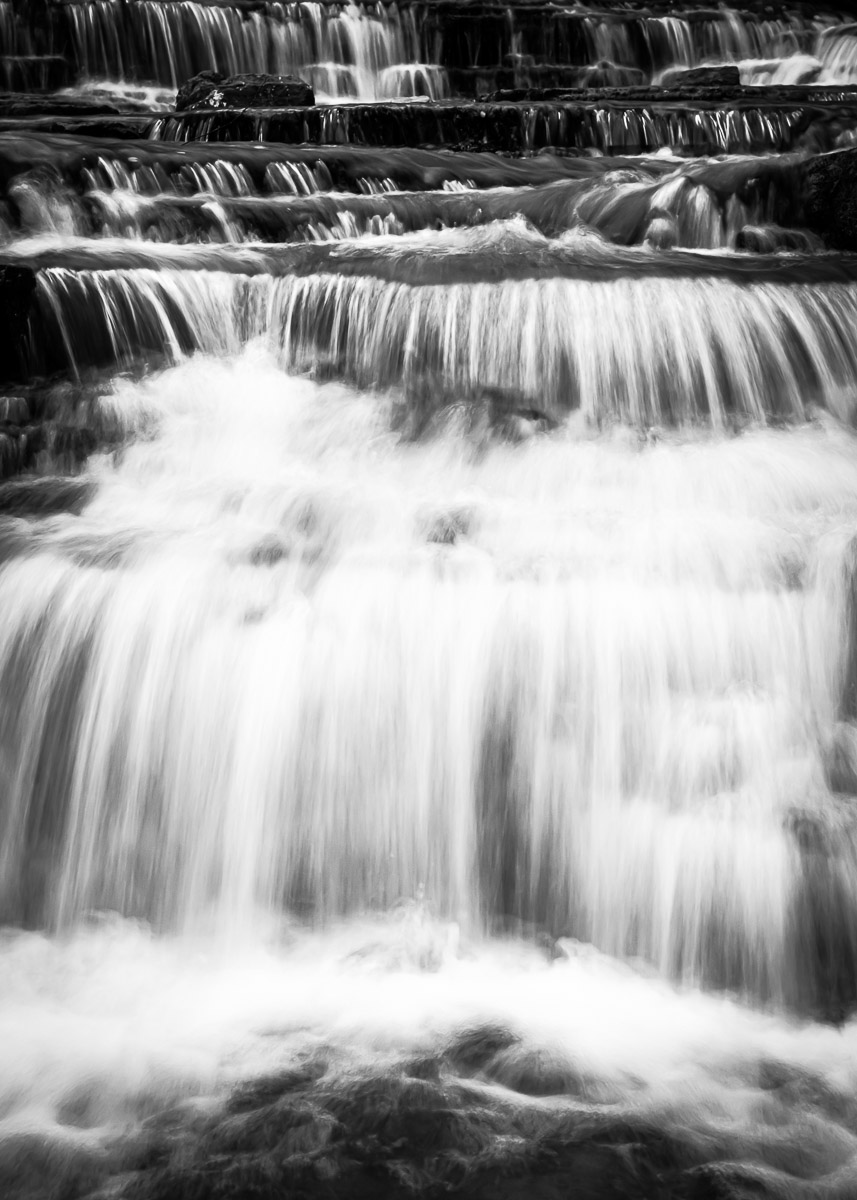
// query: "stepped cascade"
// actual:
[[428, 567]]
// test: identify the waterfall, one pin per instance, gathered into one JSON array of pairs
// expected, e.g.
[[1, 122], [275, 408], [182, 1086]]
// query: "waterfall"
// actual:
[[643, 350], [219, 200], [428, 577], [520, 128], [362, 674], [343, 50]]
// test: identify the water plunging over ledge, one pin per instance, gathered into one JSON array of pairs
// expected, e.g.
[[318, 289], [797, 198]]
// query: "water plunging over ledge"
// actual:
[[428, 577]]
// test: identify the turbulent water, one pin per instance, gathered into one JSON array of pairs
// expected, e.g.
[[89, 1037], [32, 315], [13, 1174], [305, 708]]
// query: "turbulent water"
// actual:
[[276, 664], [428, 665]]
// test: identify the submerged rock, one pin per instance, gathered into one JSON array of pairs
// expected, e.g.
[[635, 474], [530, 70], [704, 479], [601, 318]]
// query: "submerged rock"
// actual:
[[211, 89]]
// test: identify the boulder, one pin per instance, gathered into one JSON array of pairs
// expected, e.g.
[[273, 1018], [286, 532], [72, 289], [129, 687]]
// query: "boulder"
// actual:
[[725, 76], [210, 89]]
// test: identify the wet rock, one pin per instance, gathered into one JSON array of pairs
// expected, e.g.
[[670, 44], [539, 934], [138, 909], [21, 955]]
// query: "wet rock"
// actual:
[[472, 1049], [35, 72], [661, 234], [291, 1126], [774, 239], [17, 294], [606, 74], [725, 76], [269, 551], [447, 528], [11, 457], [266, 1089], [211, 89], [24, 104], [726, 1181], [829, 191], [45, 496], [14, 409], [518, 427], [73, 444], [33, 1165], [822, 928], [848, 698], [534, 1071], [840, 760]]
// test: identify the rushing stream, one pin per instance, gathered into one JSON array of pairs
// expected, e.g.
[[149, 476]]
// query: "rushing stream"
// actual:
[[428, 577]]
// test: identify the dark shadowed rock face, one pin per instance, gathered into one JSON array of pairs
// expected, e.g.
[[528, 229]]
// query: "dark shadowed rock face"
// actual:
[[830, 198], [17, 288], [210, 89]]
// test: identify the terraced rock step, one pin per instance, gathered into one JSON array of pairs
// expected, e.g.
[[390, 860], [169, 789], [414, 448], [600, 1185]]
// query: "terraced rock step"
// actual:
[[469, 256], [321, 167], [606, 121], [726, 338], [372, 51], [227, 192]]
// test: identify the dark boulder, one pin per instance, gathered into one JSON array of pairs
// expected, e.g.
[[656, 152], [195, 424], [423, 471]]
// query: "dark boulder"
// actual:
[[725, 76], [829, 192], [210, 89]]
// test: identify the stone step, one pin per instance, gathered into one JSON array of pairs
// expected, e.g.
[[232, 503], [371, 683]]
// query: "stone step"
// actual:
[[754, 121], [204, 193], [466, 258], [610, 123]]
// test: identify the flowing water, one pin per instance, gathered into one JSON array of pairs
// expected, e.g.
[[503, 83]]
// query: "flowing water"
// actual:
[[428, 666]]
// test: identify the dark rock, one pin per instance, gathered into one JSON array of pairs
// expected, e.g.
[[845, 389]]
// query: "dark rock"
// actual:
[[848, 698], [23, 105], [840, 760], [472, 1049], [448, 528], [829, 190], [266, 1089], [35, 73], [725, 76], [623, 121], [534, 1071], [822, 934], [17, 293], [11, 453], [210, 89], [44, 496], [269, 551]]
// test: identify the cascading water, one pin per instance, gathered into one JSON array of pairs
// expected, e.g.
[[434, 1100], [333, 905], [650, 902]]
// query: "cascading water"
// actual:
[[343, 50], [428, 567]]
